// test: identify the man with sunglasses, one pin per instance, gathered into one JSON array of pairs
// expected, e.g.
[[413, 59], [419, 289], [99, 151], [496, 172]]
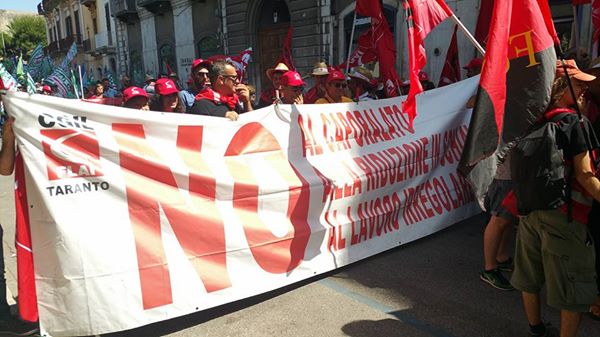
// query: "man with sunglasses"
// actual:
[[199, 80], [227, 97], [292, 87], [336, 87]]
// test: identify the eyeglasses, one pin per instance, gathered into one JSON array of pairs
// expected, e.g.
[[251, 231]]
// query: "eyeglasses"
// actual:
[[339, 85], [232, 77]]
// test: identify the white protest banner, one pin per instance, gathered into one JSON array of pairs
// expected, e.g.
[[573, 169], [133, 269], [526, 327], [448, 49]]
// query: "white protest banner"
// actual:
[[138, 217]]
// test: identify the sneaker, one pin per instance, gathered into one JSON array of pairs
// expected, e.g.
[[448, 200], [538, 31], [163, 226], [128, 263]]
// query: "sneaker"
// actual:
[[550, 332], [507, 265], [496, 279], [17, 327]]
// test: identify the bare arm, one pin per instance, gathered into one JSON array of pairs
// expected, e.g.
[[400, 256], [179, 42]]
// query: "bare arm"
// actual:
[[585, 176], [7, 154]]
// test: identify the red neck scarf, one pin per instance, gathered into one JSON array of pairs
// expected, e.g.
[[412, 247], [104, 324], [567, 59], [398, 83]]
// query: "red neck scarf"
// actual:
[[209, 94]]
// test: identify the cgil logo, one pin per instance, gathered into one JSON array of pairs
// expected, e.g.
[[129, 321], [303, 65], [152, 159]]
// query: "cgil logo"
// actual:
[[71, 148]]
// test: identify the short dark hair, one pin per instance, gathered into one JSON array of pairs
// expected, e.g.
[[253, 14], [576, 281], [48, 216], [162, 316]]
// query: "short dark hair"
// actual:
[[217, 68]]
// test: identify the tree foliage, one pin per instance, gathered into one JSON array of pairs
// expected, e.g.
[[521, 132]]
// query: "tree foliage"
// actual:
[[25, 33]]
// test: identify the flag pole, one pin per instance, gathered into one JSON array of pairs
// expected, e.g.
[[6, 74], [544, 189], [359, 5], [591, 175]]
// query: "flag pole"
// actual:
[[81, 82], [576, 31], [350, 43], [468, 35]]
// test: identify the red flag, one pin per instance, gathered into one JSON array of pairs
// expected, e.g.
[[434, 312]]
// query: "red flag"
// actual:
[[596, 27], [169, 71], [581, 2], [286, 51], [386, 53], [483, 21], [370, 8], [511, 97], [25, 273], [422, 17], [365, 52], [451, 71], [240, 62]]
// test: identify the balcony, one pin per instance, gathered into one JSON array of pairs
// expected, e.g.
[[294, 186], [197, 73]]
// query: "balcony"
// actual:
[[155, 6], [104, 43], [124, 10], [63, 45], [88, 3], [49, 5]]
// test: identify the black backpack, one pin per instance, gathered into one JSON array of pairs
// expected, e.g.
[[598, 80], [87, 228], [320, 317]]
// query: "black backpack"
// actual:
[[540, 174]]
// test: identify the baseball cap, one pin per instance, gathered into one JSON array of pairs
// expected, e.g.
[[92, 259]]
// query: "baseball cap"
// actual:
[[292, 79], [335, 75], [47, 88], [165, 86], [201, 63], [474, 63], [132, 92], [573, 71]]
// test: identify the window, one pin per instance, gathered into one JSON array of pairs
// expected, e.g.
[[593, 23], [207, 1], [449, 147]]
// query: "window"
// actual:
[[208, 46], [107, 15], [68, 26], [167, 59], [77, 26]]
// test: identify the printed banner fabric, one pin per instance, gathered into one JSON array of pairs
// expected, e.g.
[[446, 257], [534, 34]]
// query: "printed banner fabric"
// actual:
[[137, 217]]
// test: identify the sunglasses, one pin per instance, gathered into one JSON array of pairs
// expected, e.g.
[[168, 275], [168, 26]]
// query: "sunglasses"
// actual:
[[233, 77], [339, 85]]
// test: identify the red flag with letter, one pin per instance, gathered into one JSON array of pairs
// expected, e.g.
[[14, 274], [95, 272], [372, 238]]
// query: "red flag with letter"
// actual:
[[451, 71], [514, 89], [422, 17]]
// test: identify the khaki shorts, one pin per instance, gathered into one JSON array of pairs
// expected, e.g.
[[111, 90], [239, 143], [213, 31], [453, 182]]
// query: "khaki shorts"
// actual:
[[553, 251]]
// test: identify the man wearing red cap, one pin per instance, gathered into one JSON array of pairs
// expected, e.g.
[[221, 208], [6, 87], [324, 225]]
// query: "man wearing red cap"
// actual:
[[135, 98], [199, 80], [292, 86], [473, 68], [46, 90], [224, 96], [336, 87]]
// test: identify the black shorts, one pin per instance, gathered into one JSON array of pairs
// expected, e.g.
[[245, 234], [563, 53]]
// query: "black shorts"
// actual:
[[497, 191]]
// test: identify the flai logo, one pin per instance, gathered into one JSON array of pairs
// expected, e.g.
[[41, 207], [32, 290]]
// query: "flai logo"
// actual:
[[70, 146]]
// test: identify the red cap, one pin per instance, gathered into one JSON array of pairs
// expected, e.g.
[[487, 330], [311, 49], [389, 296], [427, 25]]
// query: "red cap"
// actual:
[[335, 75], [165, 86], [292, 79], [46, 88], [200, 62], [474, 63], [132, 92]]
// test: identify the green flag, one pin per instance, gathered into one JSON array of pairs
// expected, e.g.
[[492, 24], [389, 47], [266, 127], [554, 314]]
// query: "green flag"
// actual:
[[20, 72], [30, 84]]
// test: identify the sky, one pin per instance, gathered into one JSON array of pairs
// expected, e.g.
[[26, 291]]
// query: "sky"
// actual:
[[20, 5]]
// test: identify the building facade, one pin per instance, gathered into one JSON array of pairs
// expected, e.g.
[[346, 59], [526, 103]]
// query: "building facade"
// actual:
[[139, 37], [89, 24]]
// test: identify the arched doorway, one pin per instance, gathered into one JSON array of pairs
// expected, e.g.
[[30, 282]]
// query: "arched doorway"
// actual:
[[272, 27]]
